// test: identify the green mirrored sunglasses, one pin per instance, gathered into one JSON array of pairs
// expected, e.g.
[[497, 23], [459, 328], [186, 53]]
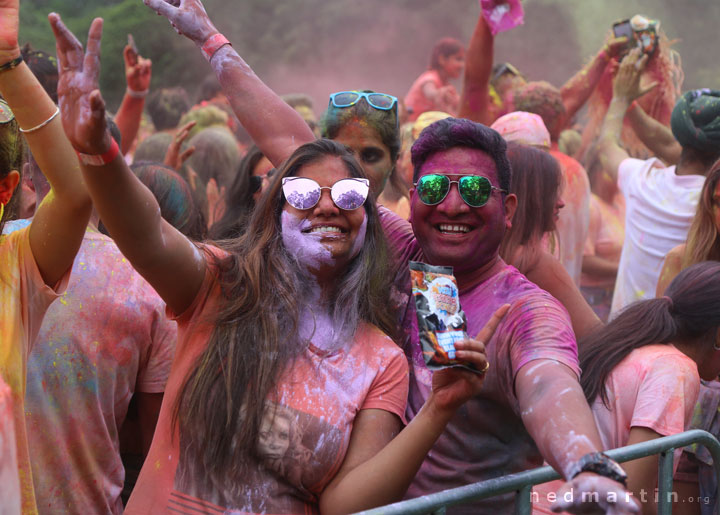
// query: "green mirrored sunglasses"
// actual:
[[475, 190]]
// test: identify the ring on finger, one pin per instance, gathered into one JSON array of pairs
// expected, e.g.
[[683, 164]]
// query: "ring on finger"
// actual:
[[485, 369]]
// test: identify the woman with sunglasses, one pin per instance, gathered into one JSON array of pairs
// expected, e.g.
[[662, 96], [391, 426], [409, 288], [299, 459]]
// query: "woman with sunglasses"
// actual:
[[285, 319], [367, 122], [35, 261]]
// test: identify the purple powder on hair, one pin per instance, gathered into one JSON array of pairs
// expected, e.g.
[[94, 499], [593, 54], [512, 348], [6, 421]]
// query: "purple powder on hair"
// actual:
[[360, 238]]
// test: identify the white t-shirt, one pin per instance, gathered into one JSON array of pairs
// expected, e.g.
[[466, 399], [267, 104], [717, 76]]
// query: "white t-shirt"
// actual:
[[660, 207]]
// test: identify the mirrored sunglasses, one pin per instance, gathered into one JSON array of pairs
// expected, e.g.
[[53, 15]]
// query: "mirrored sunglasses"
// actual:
[[304, 193], [475, 190]]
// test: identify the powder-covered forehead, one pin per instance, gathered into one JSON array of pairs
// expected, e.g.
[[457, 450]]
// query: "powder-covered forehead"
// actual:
[[461, 161]]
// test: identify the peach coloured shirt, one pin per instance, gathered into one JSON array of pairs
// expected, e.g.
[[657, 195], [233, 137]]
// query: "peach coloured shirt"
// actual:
[[605, 236], [656, 387], [315, 403], [24, 298], [9, 481]]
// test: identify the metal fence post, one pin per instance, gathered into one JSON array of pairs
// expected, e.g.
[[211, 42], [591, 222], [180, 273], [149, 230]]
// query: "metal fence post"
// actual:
[[523, 504], [665, 482]]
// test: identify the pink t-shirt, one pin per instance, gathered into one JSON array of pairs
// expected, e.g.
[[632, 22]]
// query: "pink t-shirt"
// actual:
[[655, 386], [486, 438], [9, 481], [105, 339], [417, 103], [605, 236], [572, 227], [24, 298], [315, 403]]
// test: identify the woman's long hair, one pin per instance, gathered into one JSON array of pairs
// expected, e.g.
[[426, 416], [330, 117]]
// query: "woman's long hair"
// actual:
[[536, 180], [255, 337], [703, 243], [239, 203], [689, 312]]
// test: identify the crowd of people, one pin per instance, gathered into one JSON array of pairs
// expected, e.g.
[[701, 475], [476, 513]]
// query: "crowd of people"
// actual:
[[207, 306]]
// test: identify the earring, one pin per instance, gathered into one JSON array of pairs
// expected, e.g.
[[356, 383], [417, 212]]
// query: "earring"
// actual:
[[2, 210]]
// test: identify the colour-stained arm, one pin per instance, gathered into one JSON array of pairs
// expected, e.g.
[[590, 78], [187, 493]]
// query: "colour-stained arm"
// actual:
[[127, 208], [557, 416], [276, 128], [626, 88], [550, 275], [138, 72], [475, 97], [580, 86], [654, 135], [59, 224], [378, 468]]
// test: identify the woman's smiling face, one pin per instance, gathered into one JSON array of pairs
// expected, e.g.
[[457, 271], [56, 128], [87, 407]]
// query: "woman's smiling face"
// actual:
[[324, 238]]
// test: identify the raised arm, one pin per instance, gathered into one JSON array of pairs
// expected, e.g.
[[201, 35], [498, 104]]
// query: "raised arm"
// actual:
[[276, 128], [654, 135], [475, 96], [138, 72], [626, 88], [59, 224], [127, 208], [580, 86]]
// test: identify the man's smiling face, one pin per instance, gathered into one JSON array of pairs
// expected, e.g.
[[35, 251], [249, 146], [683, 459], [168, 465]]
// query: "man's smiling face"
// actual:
[[451, 232]]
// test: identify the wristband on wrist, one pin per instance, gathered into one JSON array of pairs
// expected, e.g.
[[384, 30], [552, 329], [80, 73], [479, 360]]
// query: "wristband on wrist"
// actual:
[[601, 464], [11, 64], [213, 44], [100, 159], [136, 94]]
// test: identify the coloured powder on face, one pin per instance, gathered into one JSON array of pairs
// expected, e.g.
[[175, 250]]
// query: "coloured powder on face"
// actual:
[[306, 247]]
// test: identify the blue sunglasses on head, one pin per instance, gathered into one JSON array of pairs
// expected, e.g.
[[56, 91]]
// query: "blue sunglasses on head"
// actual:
[[381, 101]]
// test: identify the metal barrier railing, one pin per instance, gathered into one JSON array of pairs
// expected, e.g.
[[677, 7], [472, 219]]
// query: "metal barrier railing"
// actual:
[[522, 482]]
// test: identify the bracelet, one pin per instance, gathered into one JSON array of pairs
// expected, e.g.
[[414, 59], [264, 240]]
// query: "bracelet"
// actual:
[[213, 44], [43, 124], [100, 159], [136, 94], [601, 464], [11, 64]]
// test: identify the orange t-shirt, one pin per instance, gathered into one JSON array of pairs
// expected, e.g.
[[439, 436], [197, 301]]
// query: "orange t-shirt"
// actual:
[[301, 447], [24, 298]]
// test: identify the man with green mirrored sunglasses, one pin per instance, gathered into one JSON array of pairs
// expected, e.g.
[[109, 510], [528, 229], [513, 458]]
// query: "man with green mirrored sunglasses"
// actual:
[[461, 208]]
